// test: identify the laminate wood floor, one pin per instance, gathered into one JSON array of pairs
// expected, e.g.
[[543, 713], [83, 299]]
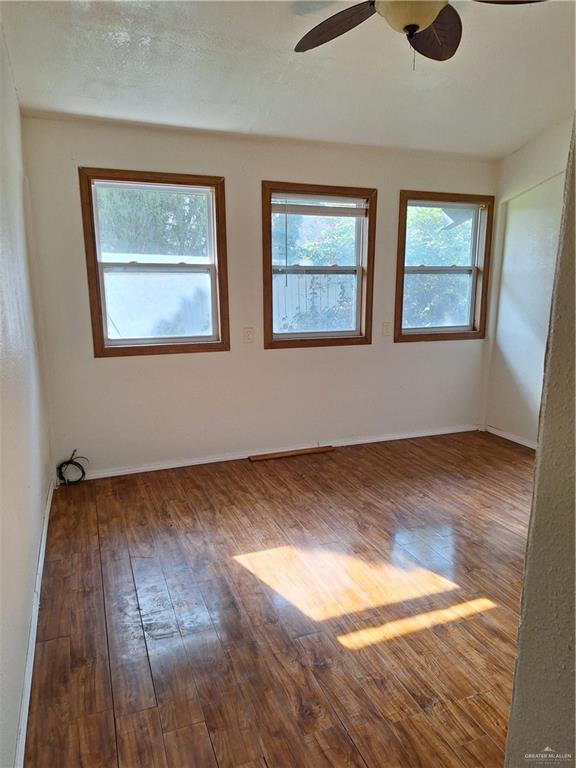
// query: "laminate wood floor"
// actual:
[[356, 608]]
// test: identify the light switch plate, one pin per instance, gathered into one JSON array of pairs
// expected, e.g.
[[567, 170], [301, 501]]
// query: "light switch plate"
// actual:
[[248, 335], [386, 329]]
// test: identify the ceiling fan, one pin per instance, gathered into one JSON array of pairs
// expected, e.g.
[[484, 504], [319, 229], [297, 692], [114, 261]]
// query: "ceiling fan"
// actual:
[[433, 27]]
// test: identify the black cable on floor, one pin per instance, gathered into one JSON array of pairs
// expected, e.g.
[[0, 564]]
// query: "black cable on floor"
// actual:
[[74, 464]]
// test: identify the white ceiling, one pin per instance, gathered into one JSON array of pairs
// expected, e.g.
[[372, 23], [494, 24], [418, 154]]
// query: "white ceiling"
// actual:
[[230, 66]]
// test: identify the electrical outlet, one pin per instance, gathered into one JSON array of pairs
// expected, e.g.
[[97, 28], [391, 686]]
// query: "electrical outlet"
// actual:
[[248, 335], [386, 329]]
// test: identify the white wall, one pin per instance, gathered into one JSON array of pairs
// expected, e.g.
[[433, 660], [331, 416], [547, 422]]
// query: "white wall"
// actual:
[[138, 411], [530, 192], [542, 712], [543, 157], [24, 456]]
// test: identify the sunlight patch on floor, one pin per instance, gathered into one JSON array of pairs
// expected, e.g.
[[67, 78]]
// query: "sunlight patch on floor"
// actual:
[[392, 629], [324, 583]]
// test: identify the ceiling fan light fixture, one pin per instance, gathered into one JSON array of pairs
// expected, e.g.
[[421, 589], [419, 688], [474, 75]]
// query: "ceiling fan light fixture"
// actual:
[[433, 27], [405, 15]]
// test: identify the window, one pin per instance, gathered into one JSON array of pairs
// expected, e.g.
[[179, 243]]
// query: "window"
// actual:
[[156, 260], [443, 265], [318, 263]]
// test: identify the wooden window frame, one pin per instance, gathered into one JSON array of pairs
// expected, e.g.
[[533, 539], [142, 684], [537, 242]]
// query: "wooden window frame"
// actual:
[[89, 175], [482, 269], [366, 292]]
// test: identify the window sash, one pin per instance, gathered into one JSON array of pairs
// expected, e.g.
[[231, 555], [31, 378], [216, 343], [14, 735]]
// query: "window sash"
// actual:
[[360, 242], [174, 266], [182, 189], [296, 269], [472, 271], [438, 329], [305, 270], [349, 268], [317, 334], [474, 236], [361, 215], [206, 191], [425, 270], [142, 267]]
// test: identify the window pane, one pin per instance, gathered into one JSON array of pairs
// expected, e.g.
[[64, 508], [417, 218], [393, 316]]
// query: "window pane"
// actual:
[[314, 303], [436, 301], [315, 240], [151, 224], [439, 235], [157, 305]]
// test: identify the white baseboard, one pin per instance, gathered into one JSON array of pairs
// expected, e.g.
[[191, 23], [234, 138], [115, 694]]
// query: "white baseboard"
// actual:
[[235, 455], [25, 702], [404, 435], [513, 438]]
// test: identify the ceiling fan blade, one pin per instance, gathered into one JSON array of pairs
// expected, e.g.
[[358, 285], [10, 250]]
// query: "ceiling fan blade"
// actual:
[[441, 39], [336, 25]]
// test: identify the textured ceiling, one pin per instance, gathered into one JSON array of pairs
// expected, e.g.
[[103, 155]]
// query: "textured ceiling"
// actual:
[[230, 66]]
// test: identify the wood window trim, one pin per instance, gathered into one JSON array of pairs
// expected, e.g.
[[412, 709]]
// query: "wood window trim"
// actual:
[[483, 265], [87, 176], [365, 337]]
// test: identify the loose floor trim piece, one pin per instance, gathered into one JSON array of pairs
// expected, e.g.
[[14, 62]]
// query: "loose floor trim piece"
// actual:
[[356, 608]]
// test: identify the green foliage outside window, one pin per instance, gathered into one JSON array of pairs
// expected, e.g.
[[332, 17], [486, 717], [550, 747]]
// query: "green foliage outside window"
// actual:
[[314, 302], [158, 224], [152, 221], [441, 237], [167, 223]]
